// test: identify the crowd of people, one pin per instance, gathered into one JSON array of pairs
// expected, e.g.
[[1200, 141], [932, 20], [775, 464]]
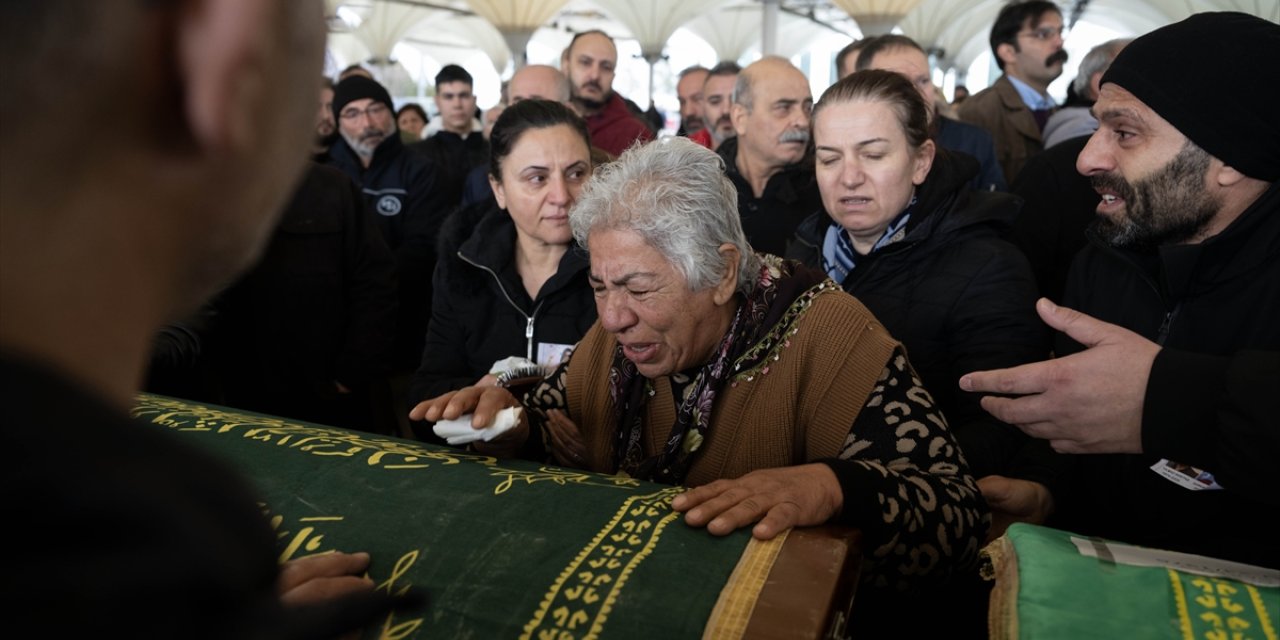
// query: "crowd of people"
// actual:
[[872, 309]]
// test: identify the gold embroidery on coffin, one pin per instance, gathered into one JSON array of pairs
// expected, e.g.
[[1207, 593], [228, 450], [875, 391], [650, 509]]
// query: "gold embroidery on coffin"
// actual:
[[579, 602], [392, 455]]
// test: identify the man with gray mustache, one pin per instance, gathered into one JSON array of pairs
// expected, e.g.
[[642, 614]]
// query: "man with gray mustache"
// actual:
[[771, 161], [1026, 41]]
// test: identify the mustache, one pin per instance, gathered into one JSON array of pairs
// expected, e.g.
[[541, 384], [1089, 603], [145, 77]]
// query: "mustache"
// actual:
[[1057, 56], [794, 135], [1113, 183], [593, 84]]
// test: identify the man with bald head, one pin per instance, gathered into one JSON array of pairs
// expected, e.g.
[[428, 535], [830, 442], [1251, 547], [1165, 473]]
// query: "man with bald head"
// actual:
[[770, 161], [530, 82], [541, 82], [590, 62]]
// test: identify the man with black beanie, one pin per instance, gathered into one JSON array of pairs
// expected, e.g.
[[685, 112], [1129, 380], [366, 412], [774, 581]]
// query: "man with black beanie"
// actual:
[[402, 188], [1174, 370]]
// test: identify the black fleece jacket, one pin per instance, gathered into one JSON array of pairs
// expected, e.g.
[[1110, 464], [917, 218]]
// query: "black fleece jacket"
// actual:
[[959, 297]]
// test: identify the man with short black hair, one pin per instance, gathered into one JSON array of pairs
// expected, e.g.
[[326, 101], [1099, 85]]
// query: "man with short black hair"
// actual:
[[457, 147], [589, 62], [904, 56], [689, 93], [847, 58], [1026, 41], [717, 105]]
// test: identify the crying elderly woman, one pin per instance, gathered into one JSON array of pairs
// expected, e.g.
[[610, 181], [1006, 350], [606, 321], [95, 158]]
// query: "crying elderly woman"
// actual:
[[756, 381]]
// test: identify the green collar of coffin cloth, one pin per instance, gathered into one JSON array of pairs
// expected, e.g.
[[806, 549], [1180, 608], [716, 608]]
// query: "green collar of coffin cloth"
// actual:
[[502, 548], [1056, 584]]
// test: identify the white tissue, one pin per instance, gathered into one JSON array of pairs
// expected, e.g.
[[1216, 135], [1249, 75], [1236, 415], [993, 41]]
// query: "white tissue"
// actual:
[[459, 430]]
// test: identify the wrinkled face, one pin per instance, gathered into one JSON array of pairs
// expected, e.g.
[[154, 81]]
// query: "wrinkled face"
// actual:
[[689, 91], [645, 302], [457, 106], [1154, 184], [590, 67], [911, 63], [364, 124], [541, 179], [1039, 55], [776, 129], [411, 123], [324, 118], [717, 100], [866, 168]]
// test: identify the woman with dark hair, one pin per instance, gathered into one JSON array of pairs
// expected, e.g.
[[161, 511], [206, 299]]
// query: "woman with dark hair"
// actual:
[[507, 284], [411, 119], [904, 233]]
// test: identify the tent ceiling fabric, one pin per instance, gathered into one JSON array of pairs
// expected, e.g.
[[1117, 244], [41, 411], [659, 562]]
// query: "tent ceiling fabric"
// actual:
[[733, 30], [516, 15], [652, 23], [875, 17], [443, 33], [957, 28]]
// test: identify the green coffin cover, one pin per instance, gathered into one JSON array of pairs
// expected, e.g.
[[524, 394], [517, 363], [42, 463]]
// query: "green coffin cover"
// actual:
[[1047, 588], [503, 548]]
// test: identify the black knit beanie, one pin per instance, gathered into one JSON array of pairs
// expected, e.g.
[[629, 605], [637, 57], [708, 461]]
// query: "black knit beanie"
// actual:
[[1216, 78], [358, 88]]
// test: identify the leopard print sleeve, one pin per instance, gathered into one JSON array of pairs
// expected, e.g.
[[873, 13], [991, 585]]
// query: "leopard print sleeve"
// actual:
[[906, 485], [546, 395]]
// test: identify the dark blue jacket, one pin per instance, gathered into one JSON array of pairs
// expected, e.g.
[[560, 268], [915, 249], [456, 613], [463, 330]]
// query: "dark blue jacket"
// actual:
[[401, 188]]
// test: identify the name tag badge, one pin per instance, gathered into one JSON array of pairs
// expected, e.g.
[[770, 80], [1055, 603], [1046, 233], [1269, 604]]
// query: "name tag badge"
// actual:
[[550, 355], [1186, 476]]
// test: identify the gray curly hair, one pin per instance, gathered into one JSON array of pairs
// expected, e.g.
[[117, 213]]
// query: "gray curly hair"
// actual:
[[674, 193]]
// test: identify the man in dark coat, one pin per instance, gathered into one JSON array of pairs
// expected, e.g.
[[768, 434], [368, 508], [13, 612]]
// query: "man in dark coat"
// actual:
[[118, 528], [401, 187], [1178, 366], [770, 161], [308, 333], [456, 148]]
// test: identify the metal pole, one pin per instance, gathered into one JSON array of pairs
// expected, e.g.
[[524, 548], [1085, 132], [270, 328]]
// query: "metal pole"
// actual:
[[769, 28]]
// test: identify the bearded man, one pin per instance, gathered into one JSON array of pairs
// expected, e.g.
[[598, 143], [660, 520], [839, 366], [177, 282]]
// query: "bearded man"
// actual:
[[1175, 373]]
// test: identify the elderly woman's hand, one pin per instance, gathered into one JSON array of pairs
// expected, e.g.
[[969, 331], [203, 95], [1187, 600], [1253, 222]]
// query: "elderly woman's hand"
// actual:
[[483, 403], [778, 498], [566, 440]]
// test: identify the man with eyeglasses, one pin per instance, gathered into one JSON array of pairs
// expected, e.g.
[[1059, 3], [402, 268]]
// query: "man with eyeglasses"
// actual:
[[401, 187], [1026, 41]]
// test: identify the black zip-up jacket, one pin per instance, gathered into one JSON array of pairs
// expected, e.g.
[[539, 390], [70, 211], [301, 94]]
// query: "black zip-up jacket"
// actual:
[[401, 187], [959, 297], [1210, 400], [482, 313], [789, 197]]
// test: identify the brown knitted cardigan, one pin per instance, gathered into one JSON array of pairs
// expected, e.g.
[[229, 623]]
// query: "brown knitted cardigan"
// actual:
[[795, 404]]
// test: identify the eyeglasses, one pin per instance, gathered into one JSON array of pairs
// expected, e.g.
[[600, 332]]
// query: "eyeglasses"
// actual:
[[372, 111], [1046, 33]]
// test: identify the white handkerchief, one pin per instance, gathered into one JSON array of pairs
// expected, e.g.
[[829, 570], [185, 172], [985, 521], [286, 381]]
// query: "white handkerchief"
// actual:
[[459, 431]]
